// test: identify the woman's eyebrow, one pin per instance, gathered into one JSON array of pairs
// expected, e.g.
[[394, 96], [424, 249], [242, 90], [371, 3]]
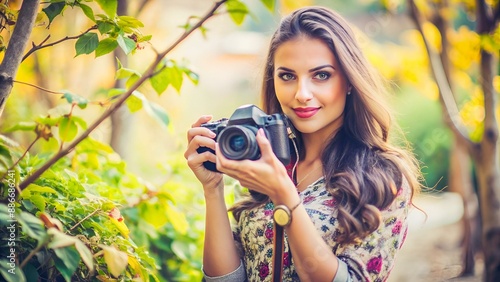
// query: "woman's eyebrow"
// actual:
[[311, 70], [285, 69], [321, 67]]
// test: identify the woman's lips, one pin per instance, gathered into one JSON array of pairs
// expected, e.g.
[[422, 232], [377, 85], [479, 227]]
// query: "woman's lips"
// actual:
[[305, 112]]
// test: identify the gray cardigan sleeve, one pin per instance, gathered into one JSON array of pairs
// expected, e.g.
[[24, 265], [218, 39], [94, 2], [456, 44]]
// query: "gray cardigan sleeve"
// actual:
[[342, 274], [238, 275]]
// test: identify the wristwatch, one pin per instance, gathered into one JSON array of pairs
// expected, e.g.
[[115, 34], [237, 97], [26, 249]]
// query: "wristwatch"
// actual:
[[282, 215]]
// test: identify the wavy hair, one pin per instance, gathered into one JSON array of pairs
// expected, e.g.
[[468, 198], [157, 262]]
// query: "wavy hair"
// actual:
[[363, 170]]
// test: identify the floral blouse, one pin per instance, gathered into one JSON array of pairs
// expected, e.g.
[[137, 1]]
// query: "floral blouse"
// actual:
[[370, 260]]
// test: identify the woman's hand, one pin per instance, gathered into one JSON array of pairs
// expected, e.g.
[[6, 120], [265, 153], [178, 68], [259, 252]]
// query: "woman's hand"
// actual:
[[202, 137], [266, 175]]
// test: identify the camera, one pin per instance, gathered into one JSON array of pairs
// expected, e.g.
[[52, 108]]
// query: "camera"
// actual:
[[236, 135]]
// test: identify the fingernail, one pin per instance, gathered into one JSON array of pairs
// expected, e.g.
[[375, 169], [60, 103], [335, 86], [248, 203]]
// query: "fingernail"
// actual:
[[261, 132]]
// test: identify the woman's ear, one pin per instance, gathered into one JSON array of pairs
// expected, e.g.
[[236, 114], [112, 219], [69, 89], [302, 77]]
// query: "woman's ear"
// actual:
[[349, 88]]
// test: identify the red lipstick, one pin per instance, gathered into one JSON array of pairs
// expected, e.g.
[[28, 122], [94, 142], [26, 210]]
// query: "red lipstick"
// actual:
[[306, 112]]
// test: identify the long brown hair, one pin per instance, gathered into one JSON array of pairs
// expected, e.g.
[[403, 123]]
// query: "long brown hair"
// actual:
[[362, 169]]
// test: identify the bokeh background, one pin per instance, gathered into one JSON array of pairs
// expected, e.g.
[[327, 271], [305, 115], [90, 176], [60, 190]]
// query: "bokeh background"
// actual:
[[229, 60]]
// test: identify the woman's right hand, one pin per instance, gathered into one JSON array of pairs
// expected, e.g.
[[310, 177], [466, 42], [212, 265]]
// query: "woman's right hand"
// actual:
[[202, 137]]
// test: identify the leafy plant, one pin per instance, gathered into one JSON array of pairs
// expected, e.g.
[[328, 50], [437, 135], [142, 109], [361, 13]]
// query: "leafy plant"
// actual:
[[78, 214]]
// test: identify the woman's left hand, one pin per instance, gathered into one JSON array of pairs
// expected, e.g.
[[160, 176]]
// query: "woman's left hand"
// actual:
[[266, 175]]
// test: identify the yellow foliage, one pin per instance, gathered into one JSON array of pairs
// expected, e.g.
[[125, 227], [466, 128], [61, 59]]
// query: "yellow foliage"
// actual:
[[462, 79], [116, 260], [472, 113], [465, 46], [287, 6], [496, 83], [177, 219], [433, 35], [122, 227]]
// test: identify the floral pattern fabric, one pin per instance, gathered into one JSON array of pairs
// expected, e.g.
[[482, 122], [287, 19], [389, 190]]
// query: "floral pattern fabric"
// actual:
[[370, 260]]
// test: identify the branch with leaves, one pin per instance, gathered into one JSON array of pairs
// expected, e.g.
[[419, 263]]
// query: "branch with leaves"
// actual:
[[447, 97], [150, 71], [42, 44]]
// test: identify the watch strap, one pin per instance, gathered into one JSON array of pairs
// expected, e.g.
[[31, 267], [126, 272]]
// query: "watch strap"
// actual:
[[278, 252], [279, 246]]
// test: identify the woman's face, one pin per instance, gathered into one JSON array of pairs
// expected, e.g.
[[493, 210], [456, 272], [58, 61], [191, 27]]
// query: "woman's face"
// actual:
[[310, 86]]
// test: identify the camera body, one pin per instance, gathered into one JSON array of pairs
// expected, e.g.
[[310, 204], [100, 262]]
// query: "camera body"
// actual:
[[236, 135]]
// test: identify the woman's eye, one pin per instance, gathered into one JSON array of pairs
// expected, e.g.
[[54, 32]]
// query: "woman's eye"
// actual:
[[286, 76], [322, 76]]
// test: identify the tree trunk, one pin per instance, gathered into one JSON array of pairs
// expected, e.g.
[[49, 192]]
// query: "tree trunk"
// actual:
[[460, 182], [488, 172], [460, 173], [15, 49], [121, 119]]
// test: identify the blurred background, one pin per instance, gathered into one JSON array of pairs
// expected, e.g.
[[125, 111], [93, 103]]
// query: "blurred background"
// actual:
[[229, 59]]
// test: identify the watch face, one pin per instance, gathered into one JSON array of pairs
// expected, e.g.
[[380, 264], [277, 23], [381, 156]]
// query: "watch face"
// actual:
[[281, 217]]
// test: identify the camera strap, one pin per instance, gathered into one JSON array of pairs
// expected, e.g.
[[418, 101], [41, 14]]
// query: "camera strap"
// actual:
[[279, 246]]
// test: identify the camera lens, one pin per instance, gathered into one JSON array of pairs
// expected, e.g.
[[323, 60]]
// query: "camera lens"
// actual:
[[238, 143]]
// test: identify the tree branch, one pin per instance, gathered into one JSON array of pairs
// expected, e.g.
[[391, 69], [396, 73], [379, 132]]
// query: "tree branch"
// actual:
[[448, 100], [35, 48], [38, 87], [17, 45], [147, 74], [485, 26]]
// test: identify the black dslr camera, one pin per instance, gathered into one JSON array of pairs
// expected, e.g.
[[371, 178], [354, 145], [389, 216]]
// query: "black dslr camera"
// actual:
[[236, 135]]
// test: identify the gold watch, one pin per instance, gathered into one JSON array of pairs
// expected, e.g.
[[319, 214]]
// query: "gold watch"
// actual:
[[282, 215]]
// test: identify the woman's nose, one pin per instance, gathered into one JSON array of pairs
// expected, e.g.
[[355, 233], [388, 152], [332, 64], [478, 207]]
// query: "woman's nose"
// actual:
[[304, 92]]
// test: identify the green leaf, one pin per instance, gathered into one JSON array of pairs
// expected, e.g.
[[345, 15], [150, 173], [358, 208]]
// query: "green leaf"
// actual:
[[87, 11], [59, 239], [128, 21], [49, 120], [66, 261], [116, 260], [31, 272], [109, 7], [80, 122], [144, 38], [147, 210], [22, 126], [104, 27], [127, 44], [132, 80], [67, 129], [32, 226], [122, 72], [171, 74], [134, 103], [237, 11], [9, 273], [126, 73], [175, 77], [270, 4], [38, 201], [85, 254], [36, 189], [53, 10], [157, 112], [6, 214], [194, 77], [73, 98], [86, 44], [154, 110], [5, 159], [160, 81], [106, 46]]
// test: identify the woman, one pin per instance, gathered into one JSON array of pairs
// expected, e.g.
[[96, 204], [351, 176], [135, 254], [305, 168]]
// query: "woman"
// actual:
[[348, 191]]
